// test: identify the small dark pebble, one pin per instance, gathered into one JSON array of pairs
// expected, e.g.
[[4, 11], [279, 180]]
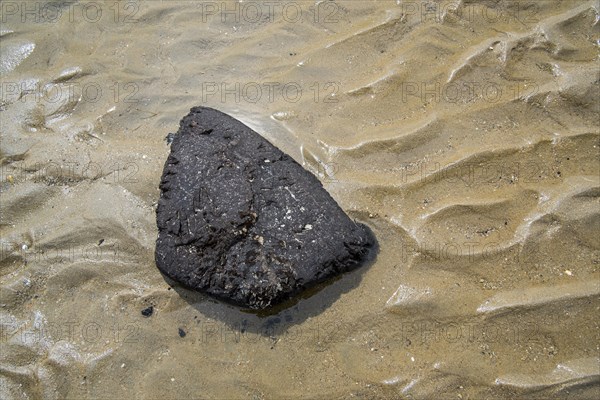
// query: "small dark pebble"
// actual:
[[181, 333], [147, 312]]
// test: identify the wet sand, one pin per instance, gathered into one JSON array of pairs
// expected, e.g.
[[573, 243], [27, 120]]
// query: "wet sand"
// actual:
[[465, 135]]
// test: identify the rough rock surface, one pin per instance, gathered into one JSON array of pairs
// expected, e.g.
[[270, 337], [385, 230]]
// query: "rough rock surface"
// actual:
[[242, 221]]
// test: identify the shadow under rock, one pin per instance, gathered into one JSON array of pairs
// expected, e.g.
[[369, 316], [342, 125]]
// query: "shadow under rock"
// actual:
[[276, 320]]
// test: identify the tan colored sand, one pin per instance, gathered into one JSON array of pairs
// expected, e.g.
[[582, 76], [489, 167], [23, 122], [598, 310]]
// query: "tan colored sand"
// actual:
[[467, 138]]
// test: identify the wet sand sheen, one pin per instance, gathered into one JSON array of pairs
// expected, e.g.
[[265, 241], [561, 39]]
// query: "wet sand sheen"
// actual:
[[466, 138]]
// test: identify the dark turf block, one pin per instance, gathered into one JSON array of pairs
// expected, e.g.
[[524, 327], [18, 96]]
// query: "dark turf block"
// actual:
[[242, 221]]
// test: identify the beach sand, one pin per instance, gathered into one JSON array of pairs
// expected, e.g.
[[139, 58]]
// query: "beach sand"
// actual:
[[465, 134]]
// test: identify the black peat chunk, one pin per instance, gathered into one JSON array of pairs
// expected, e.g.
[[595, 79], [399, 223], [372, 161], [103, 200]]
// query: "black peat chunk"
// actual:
[[242, 221]]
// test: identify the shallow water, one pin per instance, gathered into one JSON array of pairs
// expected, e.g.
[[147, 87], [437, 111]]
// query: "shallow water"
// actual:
[[464, 133]]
